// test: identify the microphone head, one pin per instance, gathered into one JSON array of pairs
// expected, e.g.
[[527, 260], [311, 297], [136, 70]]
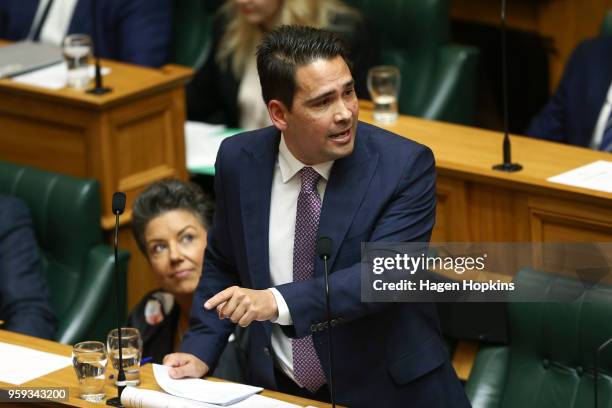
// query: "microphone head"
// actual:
[[118, 202], [324, 247]]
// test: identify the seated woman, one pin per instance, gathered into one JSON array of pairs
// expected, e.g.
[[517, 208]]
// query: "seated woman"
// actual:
[[226, 90], [170, 220]]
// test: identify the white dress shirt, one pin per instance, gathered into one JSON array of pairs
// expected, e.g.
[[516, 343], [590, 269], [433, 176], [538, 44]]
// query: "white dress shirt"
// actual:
[[58, 20], [604, 114], [286, 185]]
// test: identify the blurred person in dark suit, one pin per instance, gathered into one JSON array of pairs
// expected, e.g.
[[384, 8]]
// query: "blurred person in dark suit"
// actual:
[[579, 111], [135, 31], [226, 90], [24, 297]]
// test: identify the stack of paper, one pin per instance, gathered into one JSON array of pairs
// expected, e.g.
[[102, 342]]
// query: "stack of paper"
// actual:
[[133, 397], [22, 364], [202, 142], [52, 77], [212, 392], [595, 176]]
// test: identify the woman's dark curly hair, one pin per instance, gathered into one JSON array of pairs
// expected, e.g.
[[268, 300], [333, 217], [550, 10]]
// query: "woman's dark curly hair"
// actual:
[[168, 195]]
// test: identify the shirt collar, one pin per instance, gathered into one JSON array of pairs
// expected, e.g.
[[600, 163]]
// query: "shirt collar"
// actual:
[[289, 165]]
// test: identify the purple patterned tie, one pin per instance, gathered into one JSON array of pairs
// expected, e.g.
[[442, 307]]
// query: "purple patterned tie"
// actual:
[[306, 366]]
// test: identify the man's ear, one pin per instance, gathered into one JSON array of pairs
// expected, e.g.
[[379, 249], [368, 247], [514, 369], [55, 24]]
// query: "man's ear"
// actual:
[[278, 114]]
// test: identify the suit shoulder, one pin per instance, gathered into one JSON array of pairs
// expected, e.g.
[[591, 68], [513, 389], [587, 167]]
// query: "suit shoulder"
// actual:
[[592, 51], [13, 213], [11, 207]]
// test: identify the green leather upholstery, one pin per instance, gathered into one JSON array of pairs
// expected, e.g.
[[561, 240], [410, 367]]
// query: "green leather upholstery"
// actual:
[[549, 362], [78, 266], [606, 24], [438, 78], [192, 30]]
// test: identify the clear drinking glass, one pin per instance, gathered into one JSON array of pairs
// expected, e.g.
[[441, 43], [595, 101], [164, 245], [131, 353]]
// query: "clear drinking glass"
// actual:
[[131, 347], [89, 360], [77, 49], [384, 85]]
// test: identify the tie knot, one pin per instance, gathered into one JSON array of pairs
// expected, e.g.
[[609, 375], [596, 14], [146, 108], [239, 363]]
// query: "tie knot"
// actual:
[[310, 178]]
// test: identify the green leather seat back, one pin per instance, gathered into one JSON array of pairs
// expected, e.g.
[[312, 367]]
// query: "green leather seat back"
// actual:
[[77, 265], [410, 34], [66, 216], [438, 78], [192, 31], [549, 362]]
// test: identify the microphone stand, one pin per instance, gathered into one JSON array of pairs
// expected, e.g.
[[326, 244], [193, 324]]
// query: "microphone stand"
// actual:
[[601, 348], [118, 207], [324, 248], [99, 89], [507, 165]]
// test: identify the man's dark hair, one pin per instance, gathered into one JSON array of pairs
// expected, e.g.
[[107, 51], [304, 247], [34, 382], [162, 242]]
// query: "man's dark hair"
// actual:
[[164, 196], [287, 48]]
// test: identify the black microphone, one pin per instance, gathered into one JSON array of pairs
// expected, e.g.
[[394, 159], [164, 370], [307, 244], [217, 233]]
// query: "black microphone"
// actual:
[[118, 208], [324, 247], [99, 89], [601, 348], [507, 165]]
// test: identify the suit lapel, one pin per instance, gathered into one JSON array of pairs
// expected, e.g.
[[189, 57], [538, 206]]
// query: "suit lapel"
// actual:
[[256, 172], [348, 183]]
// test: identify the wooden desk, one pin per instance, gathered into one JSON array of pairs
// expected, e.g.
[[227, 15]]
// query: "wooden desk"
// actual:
[[66, 376], [476, 203], [125, 139]]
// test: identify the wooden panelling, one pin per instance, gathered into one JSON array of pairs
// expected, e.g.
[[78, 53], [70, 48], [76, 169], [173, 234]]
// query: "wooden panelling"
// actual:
[[566, 221], [451, 212], [36, 141]]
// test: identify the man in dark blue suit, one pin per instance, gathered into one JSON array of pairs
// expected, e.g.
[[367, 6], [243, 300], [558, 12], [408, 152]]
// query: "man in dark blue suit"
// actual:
[[317, 172], [135, 31], [574, 111], [24, 299]]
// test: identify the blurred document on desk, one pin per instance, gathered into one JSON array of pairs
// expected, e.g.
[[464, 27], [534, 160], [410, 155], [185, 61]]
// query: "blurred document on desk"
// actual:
[[53, 77], [594, 176], [213, 392], [22, 364], [133, 397], [202, 141]]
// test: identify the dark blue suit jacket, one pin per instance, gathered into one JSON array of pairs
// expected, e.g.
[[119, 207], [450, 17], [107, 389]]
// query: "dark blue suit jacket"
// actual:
[[24, 299], [136, 31], [571, 114], [386, 354]]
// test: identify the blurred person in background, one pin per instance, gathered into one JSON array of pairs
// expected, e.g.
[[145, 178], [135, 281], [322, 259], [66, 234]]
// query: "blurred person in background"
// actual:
[[226, 90], [579, 113], [24, 296], [170, 223], [135, 31]]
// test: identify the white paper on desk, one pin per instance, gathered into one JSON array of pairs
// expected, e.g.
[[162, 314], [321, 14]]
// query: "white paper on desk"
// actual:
[[52, 77], [595, 176], [22, 364], [259, 401], [213, 392], [202, 141], [133, 397]]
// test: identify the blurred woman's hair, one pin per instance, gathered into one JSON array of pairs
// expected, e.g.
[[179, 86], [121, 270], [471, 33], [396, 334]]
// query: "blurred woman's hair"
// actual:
[[168, 195], [241, 38]]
